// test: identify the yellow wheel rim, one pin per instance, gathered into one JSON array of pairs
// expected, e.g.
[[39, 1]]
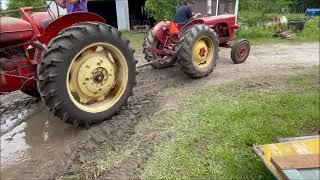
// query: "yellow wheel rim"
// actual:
[[97, 77], [203, 52]]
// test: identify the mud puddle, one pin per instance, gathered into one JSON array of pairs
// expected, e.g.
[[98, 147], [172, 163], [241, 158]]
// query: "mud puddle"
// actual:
[[37, 136]]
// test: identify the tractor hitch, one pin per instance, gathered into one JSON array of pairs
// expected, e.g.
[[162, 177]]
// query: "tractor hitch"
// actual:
[[161, 52], [165, 59]]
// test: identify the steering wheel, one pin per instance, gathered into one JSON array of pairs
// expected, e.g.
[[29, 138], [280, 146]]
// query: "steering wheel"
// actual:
[[195, 16]]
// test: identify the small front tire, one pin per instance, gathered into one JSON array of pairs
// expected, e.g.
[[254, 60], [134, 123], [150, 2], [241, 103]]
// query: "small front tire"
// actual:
[[240, 51]]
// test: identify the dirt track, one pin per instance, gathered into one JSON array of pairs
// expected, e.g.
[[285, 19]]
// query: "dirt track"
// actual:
[[34, 144]]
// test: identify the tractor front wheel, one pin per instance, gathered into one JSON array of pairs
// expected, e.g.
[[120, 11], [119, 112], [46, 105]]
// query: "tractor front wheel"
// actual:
[[198, 51], [240, 51], [87, 73]]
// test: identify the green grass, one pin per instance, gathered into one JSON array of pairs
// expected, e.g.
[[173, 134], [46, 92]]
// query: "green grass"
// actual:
[[213, 132], [136, 39], [253, 28], [311, 31]]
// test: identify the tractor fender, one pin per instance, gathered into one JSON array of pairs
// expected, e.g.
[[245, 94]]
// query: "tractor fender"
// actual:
[[190, 24], [68, 20]]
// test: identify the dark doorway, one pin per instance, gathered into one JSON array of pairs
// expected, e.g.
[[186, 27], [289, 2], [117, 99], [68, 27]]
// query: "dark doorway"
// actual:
[[138, 13], [106, 9]]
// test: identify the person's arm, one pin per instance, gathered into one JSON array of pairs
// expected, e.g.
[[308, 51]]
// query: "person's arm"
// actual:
[[61, 3], [73, 1]]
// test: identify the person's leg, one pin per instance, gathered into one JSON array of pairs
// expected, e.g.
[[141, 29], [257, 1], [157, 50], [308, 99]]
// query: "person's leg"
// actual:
[[46, 22]]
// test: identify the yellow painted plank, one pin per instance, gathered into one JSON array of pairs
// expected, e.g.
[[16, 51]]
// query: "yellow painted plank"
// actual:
[[291, 148]]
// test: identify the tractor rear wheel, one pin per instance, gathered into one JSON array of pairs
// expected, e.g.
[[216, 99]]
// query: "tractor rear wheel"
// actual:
[[198, 51], [87, 73], [151, 41], [31, 91], [240, 51]]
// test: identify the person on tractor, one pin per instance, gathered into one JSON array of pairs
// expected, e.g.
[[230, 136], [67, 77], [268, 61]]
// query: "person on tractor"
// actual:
[[184, 12], [71, 6]]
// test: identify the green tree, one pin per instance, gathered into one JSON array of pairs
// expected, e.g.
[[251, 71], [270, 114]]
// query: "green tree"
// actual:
[[166, 8], [16, 4], [162, 8]]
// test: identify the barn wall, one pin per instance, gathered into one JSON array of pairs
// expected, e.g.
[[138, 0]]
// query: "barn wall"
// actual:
[[200, 6]]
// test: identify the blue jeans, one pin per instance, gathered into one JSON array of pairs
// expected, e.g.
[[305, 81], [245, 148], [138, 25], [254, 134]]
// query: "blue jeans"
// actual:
[[46, 22]]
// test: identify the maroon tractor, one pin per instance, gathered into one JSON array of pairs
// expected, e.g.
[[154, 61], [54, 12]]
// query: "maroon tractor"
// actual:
[[194, 45], [82, 68]]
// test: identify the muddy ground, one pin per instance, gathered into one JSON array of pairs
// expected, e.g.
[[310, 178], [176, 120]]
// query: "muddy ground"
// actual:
[[36, 145]]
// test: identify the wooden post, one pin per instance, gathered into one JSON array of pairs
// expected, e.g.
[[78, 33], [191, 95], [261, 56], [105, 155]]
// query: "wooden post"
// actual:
[[236, 9], [209, 12], [122, 7], [217, 7]]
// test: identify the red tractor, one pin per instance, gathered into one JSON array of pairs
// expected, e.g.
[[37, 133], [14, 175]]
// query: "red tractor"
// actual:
[[82, 68], [194, 45]]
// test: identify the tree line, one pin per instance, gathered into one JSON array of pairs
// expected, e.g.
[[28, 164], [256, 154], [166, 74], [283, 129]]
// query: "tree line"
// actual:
[[278, 6]]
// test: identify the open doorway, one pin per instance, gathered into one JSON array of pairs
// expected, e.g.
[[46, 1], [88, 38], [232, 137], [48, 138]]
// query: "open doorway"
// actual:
[[138, 15], [226, 7], [106, 9]]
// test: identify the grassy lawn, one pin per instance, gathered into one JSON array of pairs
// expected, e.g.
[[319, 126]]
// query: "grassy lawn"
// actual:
[[136, 39], [253, 29], [212, 133]]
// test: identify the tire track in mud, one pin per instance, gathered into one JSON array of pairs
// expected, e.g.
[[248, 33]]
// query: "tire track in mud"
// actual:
[[110, 137]]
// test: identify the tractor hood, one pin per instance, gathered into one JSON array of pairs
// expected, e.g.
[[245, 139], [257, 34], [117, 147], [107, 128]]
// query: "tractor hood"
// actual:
[[14, 31], [228, 18]]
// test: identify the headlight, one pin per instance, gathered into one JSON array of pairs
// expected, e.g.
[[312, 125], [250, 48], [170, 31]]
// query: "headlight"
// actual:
[[164, 28]]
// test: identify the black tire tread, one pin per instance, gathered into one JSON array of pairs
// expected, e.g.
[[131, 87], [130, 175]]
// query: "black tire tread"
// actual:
[[185, 50], [54, 56], [234, 48]]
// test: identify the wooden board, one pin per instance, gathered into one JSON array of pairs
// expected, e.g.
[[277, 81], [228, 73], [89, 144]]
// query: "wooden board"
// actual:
[[279, 140], [303, 146], [296, 162]]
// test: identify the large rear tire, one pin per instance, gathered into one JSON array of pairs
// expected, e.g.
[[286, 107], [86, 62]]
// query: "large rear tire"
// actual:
[[198, 51], [31, 92], [151, 41], [87, 73]]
